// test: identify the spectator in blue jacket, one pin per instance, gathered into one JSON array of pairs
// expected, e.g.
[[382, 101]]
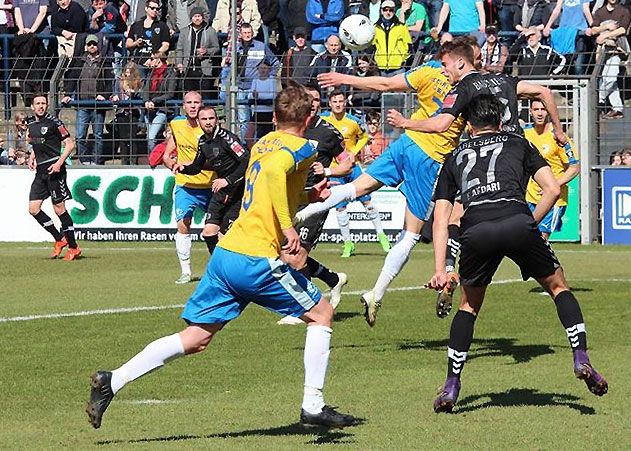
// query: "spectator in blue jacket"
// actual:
[[325, 17]]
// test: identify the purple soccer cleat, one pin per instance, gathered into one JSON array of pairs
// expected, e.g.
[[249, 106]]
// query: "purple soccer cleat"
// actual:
[[447, 396], [585, 371]]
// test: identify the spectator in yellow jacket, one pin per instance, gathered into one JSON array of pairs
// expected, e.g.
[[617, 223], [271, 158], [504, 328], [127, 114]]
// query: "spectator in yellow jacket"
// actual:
[[392, 41]]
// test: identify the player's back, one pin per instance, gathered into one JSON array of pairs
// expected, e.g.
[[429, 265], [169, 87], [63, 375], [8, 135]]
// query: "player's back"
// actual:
[[186, 139], [432, 88], [277, 171]]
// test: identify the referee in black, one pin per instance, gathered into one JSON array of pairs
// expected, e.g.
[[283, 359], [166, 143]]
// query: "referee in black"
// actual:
[[47, 135], [220, 151], [491, 172]]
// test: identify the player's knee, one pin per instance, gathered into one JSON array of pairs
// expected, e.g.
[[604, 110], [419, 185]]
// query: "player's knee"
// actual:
[[59, 208], [184, 225], [325, 312], [33, 211], [342, 218], [409, 238]]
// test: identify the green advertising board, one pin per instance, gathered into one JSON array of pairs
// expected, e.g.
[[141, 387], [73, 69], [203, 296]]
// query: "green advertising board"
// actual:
[[571, 230]]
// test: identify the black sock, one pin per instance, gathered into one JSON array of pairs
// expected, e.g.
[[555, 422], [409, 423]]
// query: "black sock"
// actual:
[[460, 338], [322, 272], [67, 226], [47, 223], [453, 246], [572, 319], [211, 242], [305, 271]]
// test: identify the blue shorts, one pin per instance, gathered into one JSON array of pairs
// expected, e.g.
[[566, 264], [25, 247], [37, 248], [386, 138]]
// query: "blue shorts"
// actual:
[[406, 165], [234, 280], [553, 221], [188, 199], [355, 173]]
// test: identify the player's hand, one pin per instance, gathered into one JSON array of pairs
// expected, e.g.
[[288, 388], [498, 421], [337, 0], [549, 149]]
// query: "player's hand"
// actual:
[[546, 31], [218, 184], [346, 166], [330, 79], [320, 191], [32, 164], [318, 168], [54, 168], [292, 246], [560, 137], [438, 281], [396, 119], [177, 168]]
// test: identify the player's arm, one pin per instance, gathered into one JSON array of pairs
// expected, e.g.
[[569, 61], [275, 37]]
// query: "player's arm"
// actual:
[[398, 83], [193, 168], [68, 144], [242, 156], [362, 140], [166, 157], [278, 166], [435, 124], [571, 171], [550, 192], [542, 93]]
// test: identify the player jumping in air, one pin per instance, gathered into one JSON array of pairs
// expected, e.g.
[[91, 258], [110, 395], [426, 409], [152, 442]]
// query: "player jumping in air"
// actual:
[[246, 268], [47, 135], [491, 172]]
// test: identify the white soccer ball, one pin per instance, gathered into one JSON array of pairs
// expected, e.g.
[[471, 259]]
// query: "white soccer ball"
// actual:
[[356, 32]]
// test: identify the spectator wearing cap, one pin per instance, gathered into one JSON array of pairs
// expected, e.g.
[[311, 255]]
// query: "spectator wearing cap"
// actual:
[[325, 18], [535, 59], [179, 13], [297, 59], [65, 22], [197, 50], [89, 81], [392, 41], [494, 53], [465, 17], [147, 38]]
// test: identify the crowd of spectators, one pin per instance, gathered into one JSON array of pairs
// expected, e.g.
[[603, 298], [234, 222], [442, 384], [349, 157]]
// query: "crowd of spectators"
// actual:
[[126, 62]]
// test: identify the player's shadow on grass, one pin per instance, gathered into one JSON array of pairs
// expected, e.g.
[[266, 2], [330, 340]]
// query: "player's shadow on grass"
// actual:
[[488, 347], [517, 397], [343, 316], [574, 289], [322, 435]]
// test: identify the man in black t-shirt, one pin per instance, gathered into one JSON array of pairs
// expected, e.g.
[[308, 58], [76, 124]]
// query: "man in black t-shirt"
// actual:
[[220, 151], [491, 172], [47, 135], [148, 37]]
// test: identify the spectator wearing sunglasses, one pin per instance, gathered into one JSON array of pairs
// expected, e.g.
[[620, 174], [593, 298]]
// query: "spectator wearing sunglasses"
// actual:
[[147, 38], [392, 41]]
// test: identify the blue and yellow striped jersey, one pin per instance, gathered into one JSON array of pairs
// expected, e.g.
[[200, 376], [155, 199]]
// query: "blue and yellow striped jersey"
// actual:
[[431, 88], [186, 139], [274, 188]]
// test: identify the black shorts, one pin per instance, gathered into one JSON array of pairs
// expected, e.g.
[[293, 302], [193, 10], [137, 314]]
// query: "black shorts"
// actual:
[[223, 208], [47, 185], [310, 230], [484, 245]]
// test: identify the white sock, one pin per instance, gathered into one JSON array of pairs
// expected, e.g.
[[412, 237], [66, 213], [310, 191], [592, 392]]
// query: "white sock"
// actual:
[[339, 193], [344, 222], [155, 355], [317, 351], [373, 215], [183, 246], [395, 260]]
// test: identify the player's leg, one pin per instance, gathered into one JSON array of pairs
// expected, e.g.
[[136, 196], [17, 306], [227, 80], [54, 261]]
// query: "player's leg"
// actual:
[[392, 266], [373, 215], [35, 210], [67, 227], [183, 246], [444, 300], [210, 234], [570, 315], [460, 338], [343, 221], [186, 201]]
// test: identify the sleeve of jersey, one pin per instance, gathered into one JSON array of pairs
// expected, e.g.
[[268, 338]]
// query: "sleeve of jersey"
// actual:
[[242, 156], [415, 77], [362, 140], [278, 167], [337, 140], [61, 128], [533, 160], [568, 155], [446, 187]]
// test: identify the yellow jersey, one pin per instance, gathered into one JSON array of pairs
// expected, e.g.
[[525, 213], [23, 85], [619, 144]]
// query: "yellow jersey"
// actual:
[[431, 89], [558, 157], [355, 136], [274, 188], [186, 139]]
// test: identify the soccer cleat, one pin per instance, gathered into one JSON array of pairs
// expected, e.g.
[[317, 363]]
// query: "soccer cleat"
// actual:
[[383, 240], [289, 321], [371, 306], [445, 298], [328, 417], [184, 278], [447, 396], [59, 247], [336, 291], [586, 372], [72, 254], [101, 396], [348, 249]]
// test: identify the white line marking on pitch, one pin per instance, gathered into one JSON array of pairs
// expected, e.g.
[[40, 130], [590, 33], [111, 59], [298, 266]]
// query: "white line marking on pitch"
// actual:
[[112, 311], [148, 401]]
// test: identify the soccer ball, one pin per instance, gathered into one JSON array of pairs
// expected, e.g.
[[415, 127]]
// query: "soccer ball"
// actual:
[[356, 32]]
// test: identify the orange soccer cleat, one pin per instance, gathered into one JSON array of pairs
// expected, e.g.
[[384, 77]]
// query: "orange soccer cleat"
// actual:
[[59, 246], [72, 254]]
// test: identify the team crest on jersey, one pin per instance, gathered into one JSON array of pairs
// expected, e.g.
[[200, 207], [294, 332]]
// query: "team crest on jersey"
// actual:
[[237, 148], [450, 100], [44, 130]]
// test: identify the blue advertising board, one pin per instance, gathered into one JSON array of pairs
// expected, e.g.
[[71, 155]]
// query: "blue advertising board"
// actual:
[[616, 201]]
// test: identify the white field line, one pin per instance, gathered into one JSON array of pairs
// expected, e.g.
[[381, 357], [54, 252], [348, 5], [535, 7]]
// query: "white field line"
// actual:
[[148, 401], [113, 311]]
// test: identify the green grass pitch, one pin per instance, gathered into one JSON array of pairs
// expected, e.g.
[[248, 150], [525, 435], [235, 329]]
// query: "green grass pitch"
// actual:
[[245, 391]]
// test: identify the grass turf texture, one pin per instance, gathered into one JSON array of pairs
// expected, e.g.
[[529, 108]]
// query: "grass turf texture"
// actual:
[[245, 390]]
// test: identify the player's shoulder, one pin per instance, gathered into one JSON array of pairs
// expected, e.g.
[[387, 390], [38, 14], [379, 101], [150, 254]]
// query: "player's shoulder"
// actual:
[[325, 114], [354, 118], [179, 119]]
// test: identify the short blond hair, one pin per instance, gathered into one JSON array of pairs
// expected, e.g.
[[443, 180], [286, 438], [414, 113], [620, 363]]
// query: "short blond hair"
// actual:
[[292, 106]]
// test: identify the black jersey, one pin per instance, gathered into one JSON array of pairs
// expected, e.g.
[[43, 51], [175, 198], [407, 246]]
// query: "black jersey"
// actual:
[[46, 135], [491, 171], [329, 144], [222, 153], [502, 86]]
